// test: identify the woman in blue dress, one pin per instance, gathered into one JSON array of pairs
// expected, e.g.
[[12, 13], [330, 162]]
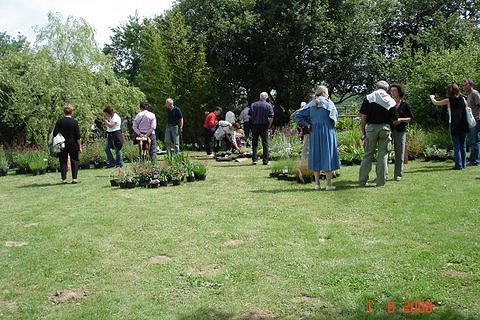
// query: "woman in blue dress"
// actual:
[[320, 115]]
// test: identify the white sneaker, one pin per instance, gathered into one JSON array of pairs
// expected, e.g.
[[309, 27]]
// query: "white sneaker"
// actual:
[[317, 187], [398, 178], [328, 188]]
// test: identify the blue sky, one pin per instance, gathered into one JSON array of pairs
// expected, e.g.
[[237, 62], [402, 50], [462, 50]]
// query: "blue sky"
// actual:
[[20, 16]]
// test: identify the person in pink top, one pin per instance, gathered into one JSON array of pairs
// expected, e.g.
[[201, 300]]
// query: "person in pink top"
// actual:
[[144, 126]]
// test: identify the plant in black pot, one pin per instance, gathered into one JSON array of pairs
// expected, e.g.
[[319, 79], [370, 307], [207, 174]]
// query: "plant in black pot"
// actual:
[[200, 171], [143, 171], [20, 160], [163, 177], [177, 174], [4, 163], [38, 162], [189, 172]]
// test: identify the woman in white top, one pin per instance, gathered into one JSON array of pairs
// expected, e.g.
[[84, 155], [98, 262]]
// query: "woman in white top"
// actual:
[[226, 131], [114, 137]]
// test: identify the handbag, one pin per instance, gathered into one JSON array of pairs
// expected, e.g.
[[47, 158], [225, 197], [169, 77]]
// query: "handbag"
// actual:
[[470, 118], [56, 144]]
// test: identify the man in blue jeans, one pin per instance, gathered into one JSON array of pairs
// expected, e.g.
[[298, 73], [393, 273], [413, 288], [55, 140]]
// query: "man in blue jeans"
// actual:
[[174, 126], [261, 118], [473, 101]]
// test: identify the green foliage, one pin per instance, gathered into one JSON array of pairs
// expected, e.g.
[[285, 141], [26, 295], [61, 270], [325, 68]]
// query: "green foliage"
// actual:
[[199, 169], [94, 152], [65, 66], [285, 143], [429, 73], [37, 160], [4, 163], [130, 151]]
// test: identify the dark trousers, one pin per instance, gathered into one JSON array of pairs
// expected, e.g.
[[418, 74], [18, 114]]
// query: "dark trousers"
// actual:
[[72, 150], [260, 130], [246, 129], [209, 140]]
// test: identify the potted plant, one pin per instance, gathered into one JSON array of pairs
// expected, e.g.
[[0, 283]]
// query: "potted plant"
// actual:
[[143, 171], [20, 159], [177, 174], [162, 177], [189, 171], [127, 181], [200, 171], [116, 176], [4, 164], [94, 152], [53, 164], [38, 162]]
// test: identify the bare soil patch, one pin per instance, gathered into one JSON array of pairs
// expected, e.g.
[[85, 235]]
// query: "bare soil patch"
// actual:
[[29, 225], [159, 260], [307, 299], [455, 273], [67, 295], [233, 243], [260, 314], [15, 244], [9, 305]]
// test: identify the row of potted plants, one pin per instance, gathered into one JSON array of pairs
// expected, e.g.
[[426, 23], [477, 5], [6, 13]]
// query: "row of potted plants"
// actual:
[[174, 170]]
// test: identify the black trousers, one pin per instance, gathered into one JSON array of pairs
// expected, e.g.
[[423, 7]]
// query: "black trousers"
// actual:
[[260, 131], [71, 149], [209, 140]]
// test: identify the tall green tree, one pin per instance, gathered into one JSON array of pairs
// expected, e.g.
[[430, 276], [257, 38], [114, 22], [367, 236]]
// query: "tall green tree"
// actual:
[[125, 48], [66, 66]]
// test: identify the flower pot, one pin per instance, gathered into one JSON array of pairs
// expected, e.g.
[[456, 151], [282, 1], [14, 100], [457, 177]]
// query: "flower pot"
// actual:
[[21, 171], [200, 177], [190, 179], [36, 172], [163, 183], [84, 166], [98, 164], [153, 185], [3, 172], [176, 182], [114, 183], [130, 184]]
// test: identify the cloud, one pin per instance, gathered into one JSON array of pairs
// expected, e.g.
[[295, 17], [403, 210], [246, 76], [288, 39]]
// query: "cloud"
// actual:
[[20, 16]]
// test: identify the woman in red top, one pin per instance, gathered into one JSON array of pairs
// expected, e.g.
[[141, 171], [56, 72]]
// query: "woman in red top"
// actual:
[[209, 127]]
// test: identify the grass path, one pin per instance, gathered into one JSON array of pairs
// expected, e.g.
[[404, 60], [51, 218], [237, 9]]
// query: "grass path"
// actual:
[[240, 245]]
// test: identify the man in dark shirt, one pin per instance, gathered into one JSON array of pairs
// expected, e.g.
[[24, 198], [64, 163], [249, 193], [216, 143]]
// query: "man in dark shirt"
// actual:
[[261, 118], [376, 115], [174, 126]]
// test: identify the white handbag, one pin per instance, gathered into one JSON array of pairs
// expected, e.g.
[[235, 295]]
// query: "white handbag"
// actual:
[[470, 118]]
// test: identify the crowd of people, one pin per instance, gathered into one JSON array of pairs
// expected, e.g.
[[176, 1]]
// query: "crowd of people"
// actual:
[[384, 116]]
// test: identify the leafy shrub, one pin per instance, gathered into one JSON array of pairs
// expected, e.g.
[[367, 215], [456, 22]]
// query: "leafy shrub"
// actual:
[[37, 160], [94, 152], [284, 143], [130, 151]]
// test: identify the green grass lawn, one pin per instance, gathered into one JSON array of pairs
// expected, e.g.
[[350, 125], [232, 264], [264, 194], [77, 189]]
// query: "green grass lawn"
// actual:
[[241, 245]]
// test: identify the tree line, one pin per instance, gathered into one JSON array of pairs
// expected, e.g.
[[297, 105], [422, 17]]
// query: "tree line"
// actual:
[[225, 52]]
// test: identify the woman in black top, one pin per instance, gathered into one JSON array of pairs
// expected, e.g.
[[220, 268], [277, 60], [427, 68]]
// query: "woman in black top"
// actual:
[[399, 128], [70, 130], [458, 123]]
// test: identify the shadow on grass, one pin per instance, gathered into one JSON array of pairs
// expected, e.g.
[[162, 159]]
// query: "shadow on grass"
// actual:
[[440, 313], [308, 187], [41, 185]]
